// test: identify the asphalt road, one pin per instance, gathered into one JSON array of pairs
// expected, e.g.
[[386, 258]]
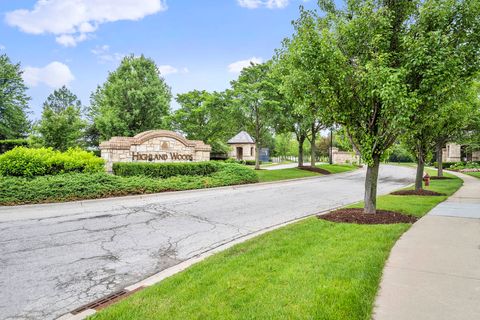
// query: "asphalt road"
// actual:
[[57, 257]]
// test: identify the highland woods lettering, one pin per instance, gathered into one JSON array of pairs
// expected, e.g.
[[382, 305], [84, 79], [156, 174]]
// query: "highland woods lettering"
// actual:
[[174, 156]]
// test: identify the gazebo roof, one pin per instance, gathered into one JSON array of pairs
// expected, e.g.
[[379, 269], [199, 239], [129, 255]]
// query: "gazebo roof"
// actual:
[[241, 137]]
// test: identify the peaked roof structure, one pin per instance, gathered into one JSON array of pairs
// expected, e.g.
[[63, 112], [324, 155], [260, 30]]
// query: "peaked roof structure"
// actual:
[[241, 137]]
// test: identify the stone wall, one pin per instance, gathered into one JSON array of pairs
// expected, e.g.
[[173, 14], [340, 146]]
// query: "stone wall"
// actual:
[[153, 146], [248, 152], [476, 155], [342, 157], [451, 153]]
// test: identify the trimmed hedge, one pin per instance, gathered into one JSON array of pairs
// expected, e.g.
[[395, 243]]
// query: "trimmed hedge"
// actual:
[[165, 170], [7, 145], [78, 186], [29, 162]]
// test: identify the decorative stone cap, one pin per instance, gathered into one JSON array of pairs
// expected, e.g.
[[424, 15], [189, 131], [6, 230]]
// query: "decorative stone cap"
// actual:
[[124, 143]]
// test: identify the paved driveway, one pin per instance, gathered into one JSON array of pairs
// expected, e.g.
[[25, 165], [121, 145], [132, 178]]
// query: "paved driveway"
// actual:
[[56, 257]]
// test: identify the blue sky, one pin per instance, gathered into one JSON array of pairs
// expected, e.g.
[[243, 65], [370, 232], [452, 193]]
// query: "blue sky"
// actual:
[[196, 42]]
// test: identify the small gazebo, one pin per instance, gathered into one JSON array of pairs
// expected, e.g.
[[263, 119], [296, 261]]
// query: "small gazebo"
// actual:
[[242, 146]]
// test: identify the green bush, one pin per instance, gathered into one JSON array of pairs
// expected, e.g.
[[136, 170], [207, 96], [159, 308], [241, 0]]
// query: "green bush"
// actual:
[[6, 145], [77, 186], [29, 162], [164, 170], [465, 165], [456, 165]]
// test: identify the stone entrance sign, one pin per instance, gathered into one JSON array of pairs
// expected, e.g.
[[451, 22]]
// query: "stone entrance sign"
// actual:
[[153, 146]]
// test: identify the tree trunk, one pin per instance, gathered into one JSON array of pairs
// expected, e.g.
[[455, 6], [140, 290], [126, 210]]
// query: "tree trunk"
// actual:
[[312, 146], [420, 168], [439, 159], [257, 156], [300, 140], [330, 151], [371, 181]]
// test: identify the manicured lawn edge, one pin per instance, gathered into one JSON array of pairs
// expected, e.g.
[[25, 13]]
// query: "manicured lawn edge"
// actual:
[[473, 174], [308, 269], [296, 173]]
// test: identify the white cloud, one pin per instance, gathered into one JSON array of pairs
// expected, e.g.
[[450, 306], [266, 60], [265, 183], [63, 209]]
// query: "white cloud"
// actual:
[[270, 4], [2, 47], [54, 74], [239, 65], [68, 40], [72, 20], [168, 69], [104, 55]]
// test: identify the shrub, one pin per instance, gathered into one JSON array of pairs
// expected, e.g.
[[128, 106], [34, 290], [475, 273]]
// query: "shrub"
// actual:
[[457, 165], [76, 186], [6, 145], [465, 165], [29, 162], [164, 170]]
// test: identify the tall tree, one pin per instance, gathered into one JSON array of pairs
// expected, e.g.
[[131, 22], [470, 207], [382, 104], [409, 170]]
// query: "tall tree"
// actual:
[[374, 104], [256, 94], [206, 116], [13, 101], [61, 126], [135, 98], [441, 61], [305, 69]]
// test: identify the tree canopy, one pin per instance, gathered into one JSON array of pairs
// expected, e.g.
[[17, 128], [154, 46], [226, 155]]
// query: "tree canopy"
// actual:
[[256, 95], [374, 104], [13, 101], [61, 126], [206, 116], [135, 98]]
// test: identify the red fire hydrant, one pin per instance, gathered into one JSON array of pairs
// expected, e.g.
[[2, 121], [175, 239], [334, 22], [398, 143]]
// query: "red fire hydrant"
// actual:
[[426, 179]]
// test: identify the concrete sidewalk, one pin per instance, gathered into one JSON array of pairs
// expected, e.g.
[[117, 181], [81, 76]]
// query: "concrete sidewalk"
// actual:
[[433, 271]]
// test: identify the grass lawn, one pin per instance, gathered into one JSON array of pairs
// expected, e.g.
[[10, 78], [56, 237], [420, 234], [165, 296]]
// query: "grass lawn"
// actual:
[[312, 269], [337, 168], [473, 174], [294, 173], [283, 174], [418, 205], [404, 164], [271, 164]]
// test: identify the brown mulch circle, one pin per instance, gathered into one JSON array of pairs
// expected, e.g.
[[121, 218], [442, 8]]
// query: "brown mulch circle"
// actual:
[[439, 178], [421, 192], [357, 216], [314, 169]]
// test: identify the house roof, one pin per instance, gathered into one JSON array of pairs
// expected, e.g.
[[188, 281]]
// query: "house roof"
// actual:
[[241, 137]]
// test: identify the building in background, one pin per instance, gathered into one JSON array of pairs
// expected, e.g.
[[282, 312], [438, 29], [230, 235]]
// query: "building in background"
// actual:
[[454, 153], [242, 146]]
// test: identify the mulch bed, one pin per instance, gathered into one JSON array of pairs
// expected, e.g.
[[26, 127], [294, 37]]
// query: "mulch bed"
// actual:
[[439, 178], [421, 192], [357, 216], [314, 169]]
